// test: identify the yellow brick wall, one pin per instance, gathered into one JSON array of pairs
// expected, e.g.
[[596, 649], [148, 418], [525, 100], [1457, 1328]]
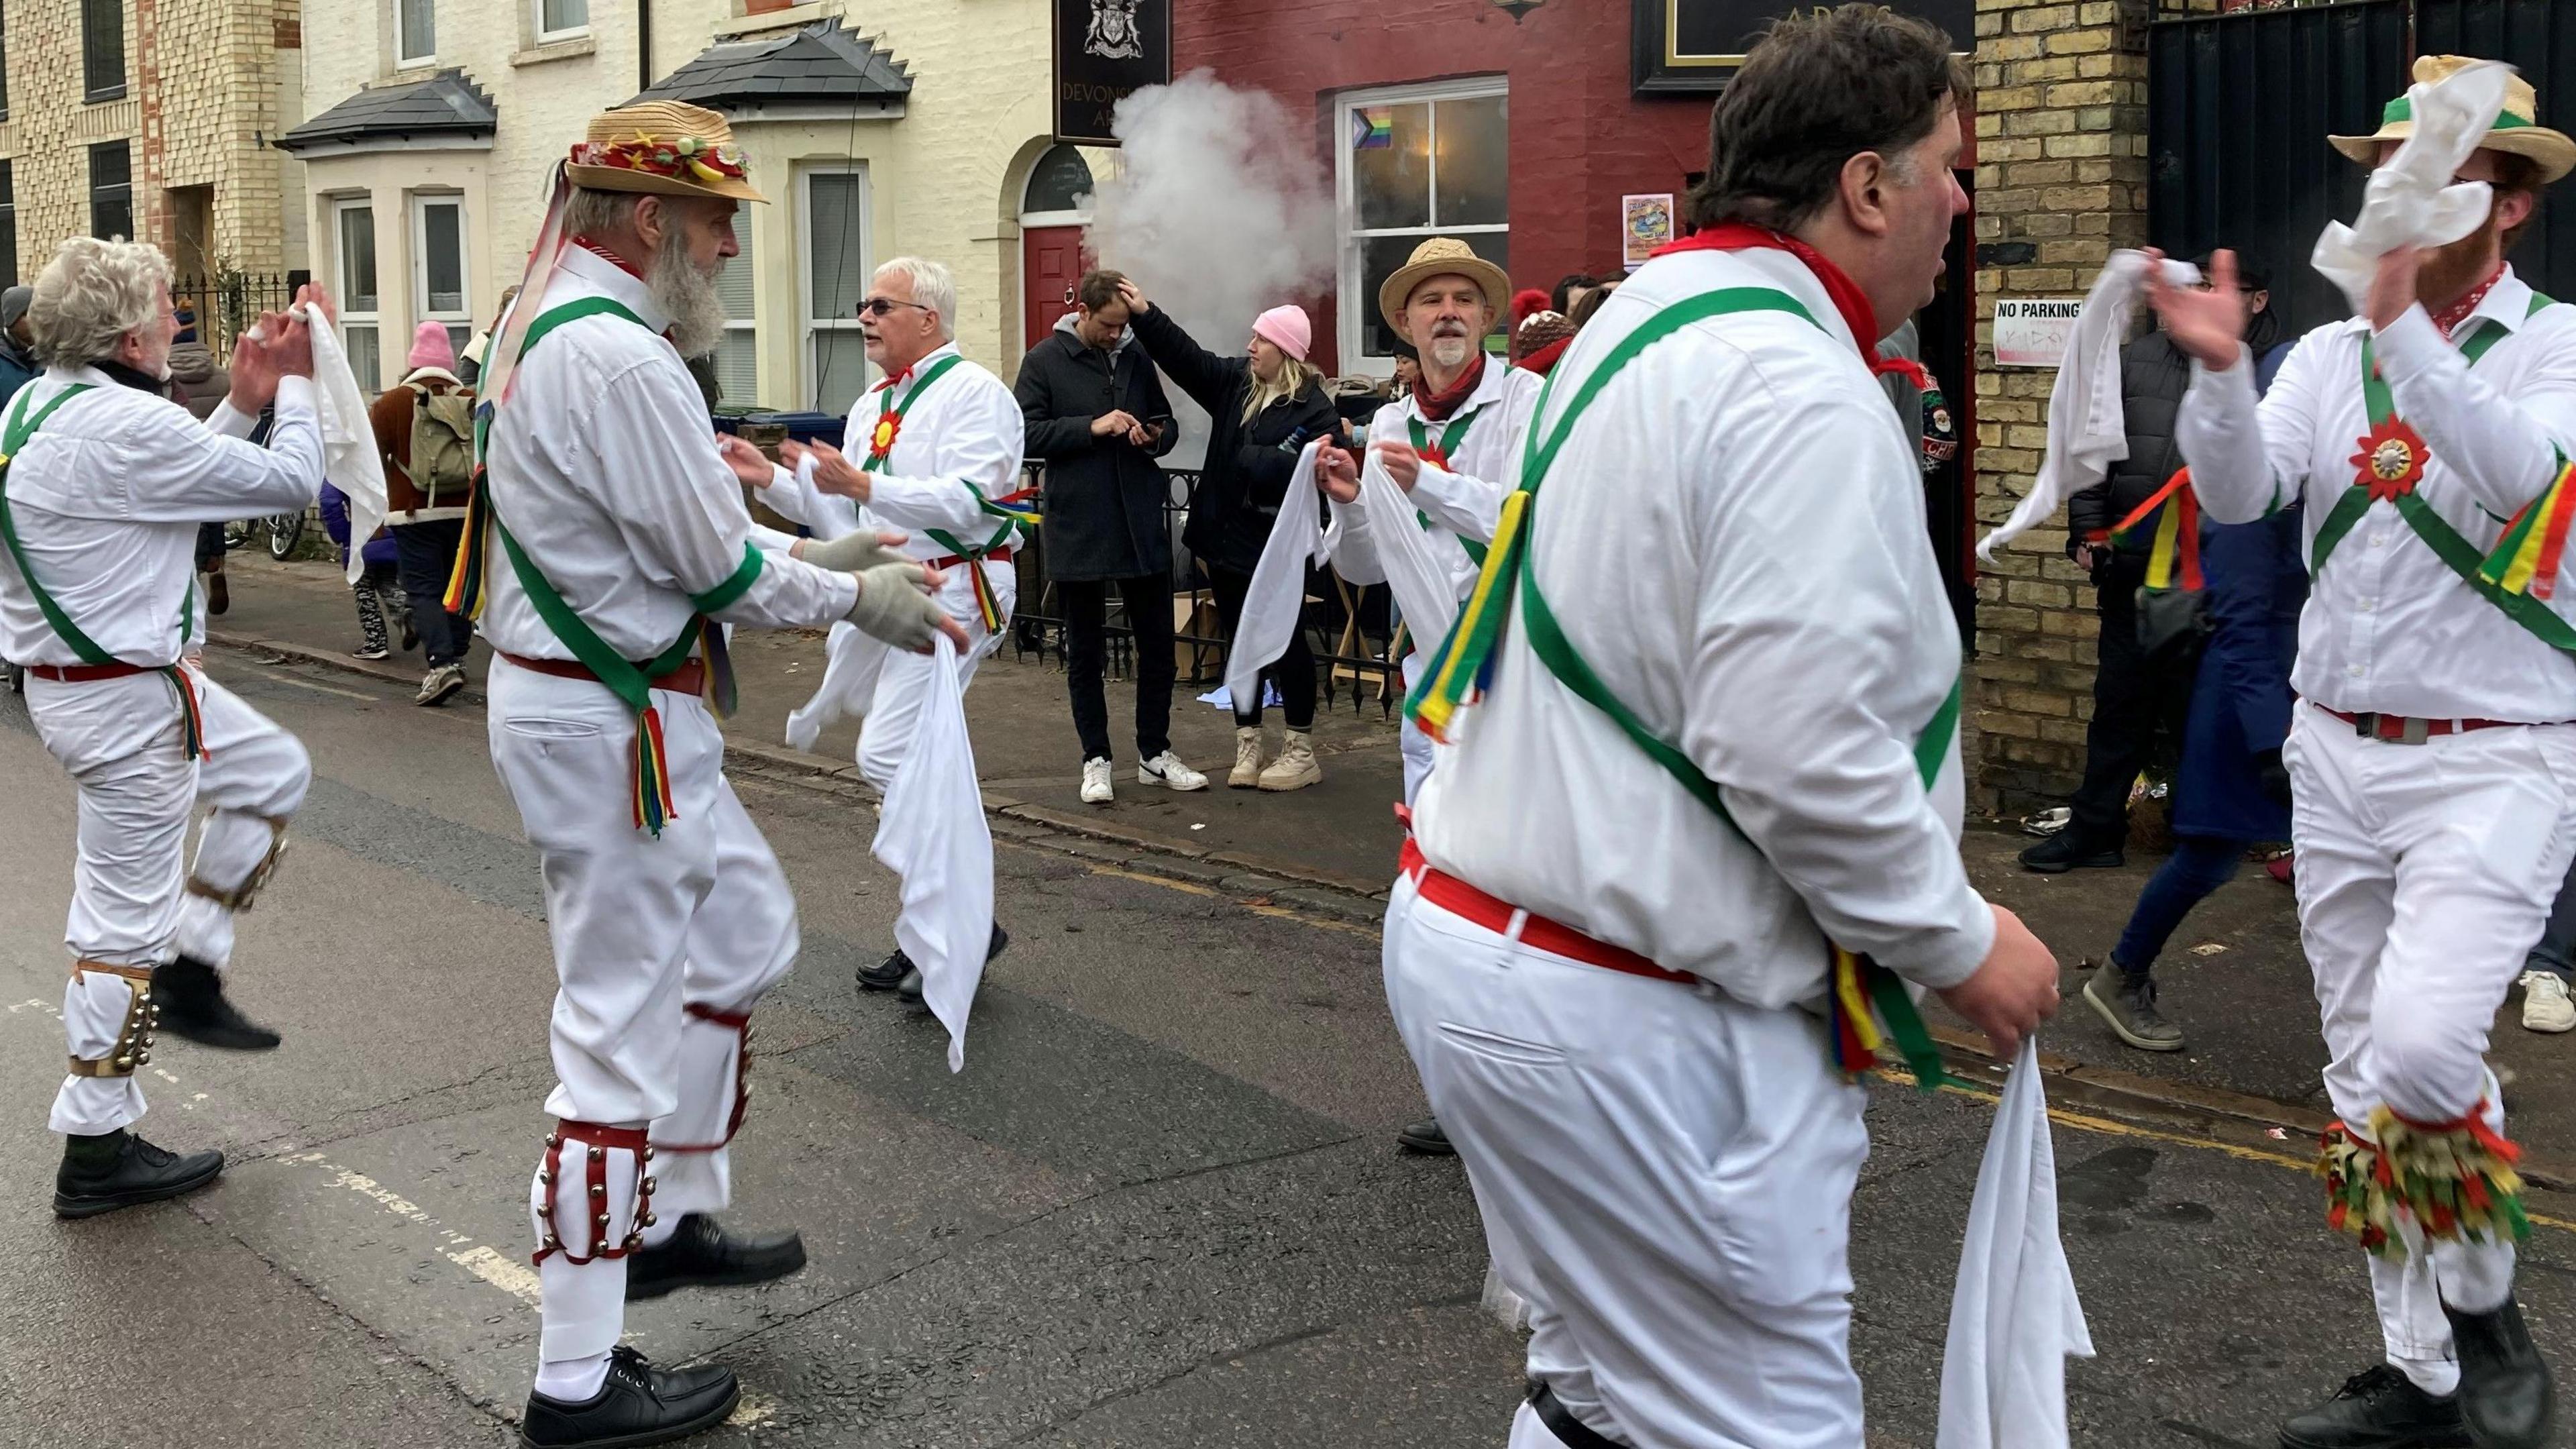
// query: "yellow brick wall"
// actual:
[[2061, 180], [943, 180], [202, 94]]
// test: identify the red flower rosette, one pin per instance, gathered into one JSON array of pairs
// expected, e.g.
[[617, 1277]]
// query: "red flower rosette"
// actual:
[[881, 438], [2391, 460]]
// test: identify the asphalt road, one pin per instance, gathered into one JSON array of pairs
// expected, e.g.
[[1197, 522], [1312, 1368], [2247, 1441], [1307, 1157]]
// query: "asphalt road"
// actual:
[[1158, 1208]]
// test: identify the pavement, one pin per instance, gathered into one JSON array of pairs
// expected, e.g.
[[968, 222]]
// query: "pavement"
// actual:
[[1158, 1208]]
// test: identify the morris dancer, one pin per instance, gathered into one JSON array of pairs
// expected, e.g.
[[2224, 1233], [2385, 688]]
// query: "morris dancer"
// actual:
[[1448, 443], [2436, 731], [1731, 640], [103, 482], [617, 548], [932, 450]]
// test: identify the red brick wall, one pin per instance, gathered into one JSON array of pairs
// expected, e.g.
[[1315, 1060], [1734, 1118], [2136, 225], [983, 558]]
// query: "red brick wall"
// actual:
[[1579, 139]]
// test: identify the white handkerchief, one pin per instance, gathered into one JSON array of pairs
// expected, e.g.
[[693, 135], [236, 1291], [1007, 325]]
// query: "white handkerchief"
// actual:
[[2014, 1318], [1422, 566], [932, 833], [351, 461], [2087, 428], [2412, 201], [1276, 599]]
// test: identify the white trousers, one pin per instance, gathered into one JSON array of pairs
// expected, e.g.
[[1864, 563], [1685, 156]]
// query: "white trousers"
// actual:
[[2425, 873], [894, 711], [662, 946], [119, 739], [1664, 1174]]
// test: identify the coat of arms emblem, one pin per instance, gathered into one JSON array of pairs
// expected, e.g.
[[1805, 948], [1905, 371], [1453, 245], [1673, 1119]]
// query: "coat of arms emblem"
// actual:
[[1114, 34]]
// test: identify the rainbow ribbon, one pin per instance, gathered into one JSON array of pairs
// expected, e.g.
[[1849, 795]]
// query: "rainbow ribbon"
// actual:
[[2526, 559]]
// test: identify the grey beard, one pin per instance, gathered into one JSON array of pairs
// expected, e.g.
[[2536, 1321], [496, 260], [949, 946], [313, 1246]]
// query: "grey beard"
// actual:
[[1450, 351], [689, 296]]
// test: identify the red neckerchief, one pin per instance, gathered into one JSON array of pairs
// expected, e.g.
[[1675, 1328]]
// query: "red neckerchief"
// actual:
[[632, 270], [1437, 406], [1858, 315], [2450, 318], [1545, 358]]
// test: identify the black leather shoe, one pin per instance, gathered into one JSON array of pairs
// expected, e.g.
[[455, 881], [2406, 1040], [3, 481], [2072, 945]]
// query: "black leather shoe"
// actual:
[[2068, 850], [639, 1404], [887, 974], [1426, 1138], [910, 987], [191, 997], [2504, 1384], [2378, 1408], [703, 1255], [100, 1175]]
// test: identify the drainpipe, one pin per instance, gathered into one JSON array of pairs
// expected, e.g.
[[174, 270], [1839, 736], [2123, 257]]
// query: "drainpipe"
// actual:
[[643, 45]]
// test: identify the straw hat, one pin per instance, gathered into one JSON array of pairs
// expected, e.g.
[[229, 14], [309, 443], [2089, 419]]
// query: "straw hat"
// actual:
[[2517, 132], [665, 148], [1441, 256]]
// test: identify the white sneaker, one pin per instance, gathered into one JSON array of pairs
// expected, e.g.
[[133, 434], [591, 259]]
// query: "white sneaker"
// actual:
[[2545, 1003], [1167, 769], [1095, 783]]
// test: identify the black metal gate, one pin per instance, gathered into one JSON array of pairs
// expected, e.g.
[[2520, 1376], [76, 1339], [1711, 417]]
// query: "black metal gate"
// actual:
[[2239, 106]]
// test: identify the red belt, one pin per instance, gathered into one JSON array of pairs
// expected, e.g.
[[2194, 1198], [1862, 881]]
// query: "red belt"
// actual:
[[88, 673], [999, 555], [1461, 899], [2406, 730], [689, 678]]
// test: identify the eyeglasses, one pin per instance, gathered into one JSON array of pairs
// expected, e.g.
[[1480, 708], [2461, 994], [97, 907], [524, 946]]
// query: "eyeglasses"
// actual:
[[880, 306]]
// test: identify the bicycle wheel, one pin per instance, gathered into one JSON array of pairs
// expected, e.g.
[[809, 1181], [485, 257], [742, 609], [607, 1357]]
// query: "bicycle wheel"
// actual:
[[284, 530]]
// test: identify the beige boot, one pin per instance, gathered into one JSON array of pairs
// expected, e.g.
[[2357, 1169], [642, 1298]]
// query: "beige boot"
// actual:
[[1295, 769], [1247, 759]]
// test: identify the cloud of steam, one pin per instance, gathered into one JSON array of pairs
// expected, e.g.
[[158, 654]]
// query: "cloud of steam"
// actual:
[[1221, 211]]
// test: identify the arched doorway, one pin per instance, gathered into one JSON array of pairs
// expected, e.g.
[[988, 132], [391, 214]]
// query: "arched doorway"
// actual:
[[1054, 208]]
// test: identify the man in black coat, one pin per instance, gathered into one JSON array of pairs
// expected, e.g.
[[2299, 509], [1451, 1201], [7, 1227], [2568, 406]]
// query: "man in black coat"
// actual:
[[2137, 701], [1097, 415]]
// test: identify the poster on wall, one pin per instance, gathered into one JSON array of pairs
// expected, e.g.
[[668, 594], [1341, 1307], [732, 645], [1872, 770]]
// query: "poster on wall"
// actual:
[[1690, 47], [2032, 331], [1645, 223], [1104, 50]]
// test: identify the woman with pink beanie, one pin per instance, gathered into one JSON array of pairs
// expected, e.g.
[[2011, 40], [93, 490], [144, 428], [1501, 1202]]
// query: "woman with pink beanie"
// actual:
[[1264, 405]]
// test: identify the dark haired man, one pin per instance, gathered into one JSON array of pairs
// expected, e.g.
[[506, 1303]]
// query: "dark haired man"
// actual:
[[1695, 766], [1096, 413], [2435, 733]]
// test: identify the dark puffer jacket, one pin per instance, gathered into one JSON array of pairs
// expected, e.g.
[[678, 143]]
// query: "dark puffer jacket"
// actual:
[[2154, 374], [1250, 466]]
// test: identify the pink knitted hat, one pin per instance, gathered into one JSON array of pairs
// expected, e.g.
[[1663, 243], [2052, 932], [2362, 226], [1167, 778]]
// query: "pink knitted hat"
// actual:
[[1287, 329], [431, 347]]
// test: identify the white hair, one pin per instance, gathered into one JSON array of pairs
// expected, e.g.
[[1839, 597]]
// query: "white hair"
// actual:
[[933, 286], [93, 293], [593, 212]]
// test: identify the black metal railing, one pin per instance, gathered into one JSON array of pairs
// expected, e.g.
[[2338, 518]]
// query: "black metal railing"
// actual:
[[225, 304], [1356, 653]]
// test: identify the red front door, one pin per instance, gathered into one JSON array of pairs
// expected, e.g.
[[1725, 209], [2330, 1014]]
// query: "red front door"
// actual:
[[1050, 266]]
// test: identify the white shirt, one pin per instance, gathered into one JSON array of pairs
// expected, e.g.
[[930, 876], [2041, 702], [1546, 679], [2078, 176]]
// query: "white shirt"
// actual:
[[107, 497], [604, 467], [2389, 628], [1462, 501], [1734, 539], [958, 448]]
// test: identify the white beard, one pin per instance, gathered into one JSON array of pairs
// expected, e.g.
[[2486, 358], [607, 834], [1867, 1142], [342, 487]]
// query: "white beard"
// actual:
[[689, 296], [1450, 352]]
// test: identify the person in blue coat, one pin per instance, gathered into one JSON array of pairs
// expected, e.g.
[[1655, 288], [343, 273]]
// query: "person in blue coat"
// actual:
[[2231, 790], [378, 590]]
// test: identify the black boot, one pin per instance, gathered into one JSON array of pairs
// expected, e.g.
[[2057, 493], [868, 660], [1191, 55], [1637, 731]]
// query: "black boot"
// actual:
[[703, 1255], [639, 1404], [2378, 1408], [910, 988], [191, 997], [2504, 1385], [118, 1169], [2072, 849], [1427, 1138], [887, 974]]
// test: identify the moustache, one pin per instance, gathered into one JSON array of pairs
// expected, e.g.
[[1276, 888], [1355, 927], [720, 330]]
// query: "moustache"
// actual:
[[1448, 327]]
